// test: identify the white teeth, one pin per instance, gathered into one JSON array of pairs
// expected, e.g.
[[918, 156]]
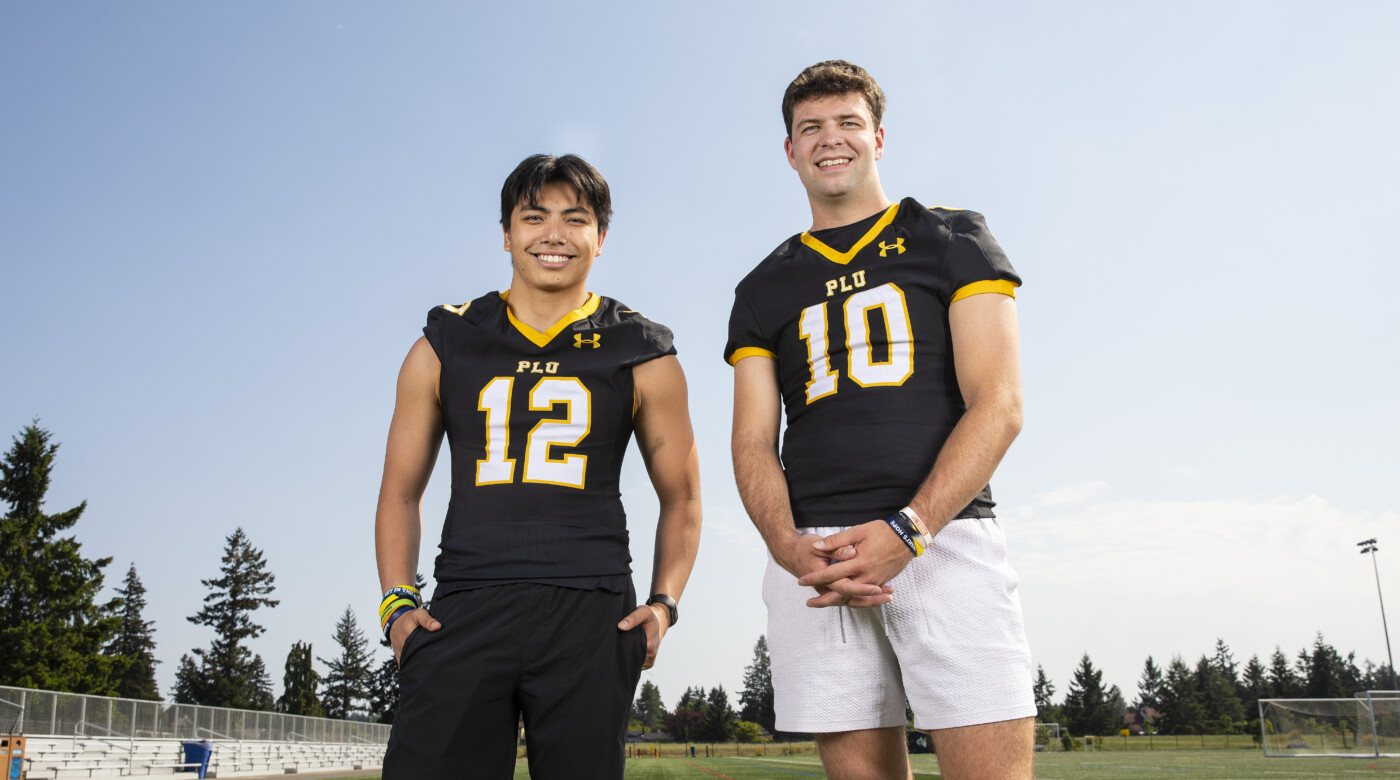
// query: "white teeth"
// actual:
[[828, 163], [553, 259]]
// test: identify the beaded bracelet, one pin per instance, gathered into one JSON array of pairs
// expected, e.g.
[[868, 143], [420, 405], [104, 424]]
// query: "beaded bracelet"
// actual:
[[904, 536]]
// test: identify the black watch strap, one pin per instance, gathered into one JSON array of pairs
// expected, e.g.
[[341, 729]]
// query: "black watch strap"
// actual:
[[666, 601]]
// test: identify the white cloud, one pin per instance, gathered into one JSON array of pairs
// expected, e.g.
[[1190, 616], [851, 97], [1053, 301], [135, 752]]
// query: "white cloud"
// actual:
[[1072, 494], [1125, 579]]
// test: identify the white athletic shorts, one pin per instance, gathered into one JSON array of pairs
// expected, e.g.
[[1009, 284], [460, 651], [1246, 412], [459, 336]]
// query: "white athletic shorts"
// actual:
[[952, 642]]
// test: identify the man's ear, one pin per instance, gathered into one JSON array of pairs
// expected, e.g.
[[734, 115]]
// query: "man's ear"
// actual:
[[601, 236], [506, 233]]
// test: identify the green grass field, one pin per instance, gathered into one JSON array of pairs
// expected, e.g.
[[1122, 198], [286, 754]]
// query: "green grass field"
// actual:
[[1106, 765]]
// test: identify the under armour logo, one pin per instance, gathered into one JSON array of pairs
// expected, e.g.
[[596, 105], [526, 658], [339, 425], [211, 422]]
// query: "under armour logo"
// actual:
[[579, 340], [897, 246]]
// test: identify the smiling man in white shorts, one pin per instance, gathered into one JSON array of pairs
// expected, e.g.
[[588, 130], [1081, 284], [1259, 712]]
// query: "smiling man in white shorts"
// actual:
[[888, 333]]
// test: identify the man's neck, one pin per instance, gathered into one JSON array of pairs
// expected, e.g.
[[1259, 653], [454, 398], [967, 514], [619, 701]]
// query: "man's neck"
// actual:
[[540, 309], [846, 209]]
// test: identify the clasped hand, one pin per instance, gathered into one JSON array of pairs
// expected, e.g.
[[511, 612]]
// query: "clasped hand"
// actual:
[[849, 568]]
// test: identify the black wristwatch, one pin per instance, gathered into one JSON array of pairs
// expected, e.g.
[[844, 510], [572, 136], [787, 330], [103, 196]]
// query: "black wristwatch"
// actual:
[[666, 601]]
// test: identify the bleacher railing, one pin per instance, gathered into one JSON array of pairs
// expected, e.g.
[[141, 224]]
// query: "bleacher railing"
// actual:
[[27, 711]]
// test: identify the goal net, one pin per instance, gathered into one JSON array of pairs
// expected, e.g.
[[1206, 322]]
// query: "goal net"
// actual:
[[1365, 725], [1047, 737]]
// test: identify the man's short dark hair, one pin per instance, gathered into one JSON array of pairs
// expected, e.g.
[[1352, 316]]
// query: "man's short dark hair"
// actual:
[[523, 185], [833, 77]]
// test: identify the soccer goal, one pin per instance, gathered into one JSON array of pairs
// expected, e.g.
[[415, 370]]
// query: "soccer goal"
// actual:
[[1047, 737], [1365, 725]]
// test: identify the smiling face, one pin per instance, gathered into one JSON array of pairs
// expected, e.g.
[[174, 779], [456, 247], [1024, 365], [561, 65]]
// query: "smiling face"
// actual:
[[552, 243], [833, 147]]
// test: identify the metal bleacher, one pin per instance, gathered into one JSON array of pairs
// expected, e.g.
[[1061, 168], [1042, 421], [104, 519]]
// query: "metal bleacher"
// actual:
[[74, 735]]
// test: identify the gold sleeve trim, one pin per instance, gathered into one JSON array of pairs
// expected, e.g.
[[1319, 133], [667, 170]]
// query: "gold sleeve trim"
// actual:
[[744, 352], [458, 310], [1002, 286]]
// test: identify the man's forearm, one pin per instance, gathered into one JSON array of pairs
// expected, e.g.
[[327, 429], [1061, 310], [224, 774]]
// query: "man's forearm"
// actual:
[[967, 461], [677, 541], [397, 535], [763, 489]]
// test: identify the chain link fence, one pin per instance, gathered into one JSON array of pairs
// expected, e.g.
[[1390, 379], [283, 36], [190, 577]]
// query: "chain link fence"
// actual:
[[26, 711]]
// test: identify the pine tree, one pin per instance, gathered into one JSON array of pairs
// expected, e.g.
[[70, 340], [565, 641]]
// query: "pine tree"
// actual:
[[720, 718], [1044, 692], [347, 687], [52, 630], [135, 643], [756, 699], [1221, 711], [1255, 684], [648, 708], [1180, 706], [1149, 687], [299, 683], [1283, 683], [1086, 705], [228, 673]]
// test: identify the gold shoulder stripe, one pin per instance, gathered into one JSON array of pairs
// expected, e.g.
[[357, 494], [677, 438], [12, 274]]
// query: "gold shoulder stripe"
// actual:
[[458, 310], [945, 208], [743, 352], [843, 258], [542, 339], [1002, 286]]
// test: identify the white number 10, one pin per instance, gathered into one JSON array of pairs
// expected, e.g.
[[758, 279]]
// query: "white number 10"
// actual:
[[863, 369]]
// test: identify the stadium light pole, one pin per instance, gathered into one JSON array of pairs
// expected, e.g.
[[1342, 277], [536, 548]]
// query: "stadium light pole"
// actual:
[[1369, 546]]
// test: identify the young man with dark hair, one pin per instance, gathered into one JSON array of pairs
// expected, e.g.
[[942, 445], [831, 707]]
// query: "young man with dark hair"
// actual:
[[538, 390], [888, 332]]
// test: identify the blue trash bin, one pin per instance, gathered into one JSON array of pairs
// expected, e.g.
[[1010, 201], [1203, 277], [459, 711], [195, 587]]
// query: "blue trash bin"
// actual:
[[197, 753]]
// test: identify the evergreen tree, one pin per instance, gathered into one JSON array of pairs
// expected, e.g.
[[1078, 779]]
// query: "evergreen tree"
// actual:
[[348, 679], [52, 630], [1180, 706], [1326, 672], [1044, 691], [1224, 662], [1255, 684], [1149, 687], [1086, 705], [648, 709], [188, 685], [1221, 711], [299, 682], [1117, 706], [1283, 683], [756, 700], [134, 643], [228, 673], [718, 725]]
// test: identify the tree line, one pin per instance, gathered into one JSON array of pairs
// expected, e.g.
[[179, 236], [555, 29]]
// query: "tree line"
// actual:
[[1215, 695], [56, 634]]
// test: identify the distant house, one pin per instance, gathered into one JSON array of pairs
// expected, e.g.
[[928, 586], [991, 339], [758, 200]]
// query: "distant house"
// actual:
[[1134, 720]]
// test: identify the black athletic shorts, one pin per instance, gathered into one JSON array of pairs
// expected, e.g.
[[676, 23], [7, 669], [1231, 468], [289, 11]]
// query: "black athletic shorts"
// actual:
[[551, 654]]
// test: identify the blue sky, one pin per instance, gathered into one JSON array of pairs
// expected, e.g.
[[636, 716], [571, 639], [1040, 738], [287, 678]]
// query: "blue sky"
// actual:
[[221, 226]]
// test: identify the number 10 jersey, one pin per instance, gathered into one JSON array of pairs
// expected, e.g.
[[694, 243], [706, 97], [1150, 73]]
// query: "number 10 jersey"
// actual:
[[857, 319]]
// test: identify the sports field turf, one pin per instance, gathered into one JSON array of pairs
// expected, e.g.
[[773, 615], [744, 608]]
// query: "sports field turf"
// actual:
[[1108, 765]]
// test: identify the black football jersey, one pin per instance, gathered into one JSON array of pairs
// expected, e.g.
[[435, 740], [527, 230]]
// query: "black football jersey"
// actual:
[[857, 318], [537, 424]]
